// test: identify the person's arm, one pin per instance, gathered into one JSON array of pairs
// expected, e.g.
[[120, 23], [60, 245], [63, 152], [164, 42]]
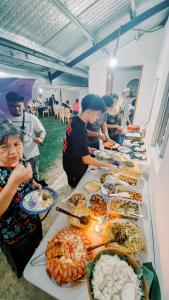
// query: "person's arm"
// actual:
[[99, 135], [105, 131], [38, 128], [19, 175], [39, 140], [88, 160], [118, 127]]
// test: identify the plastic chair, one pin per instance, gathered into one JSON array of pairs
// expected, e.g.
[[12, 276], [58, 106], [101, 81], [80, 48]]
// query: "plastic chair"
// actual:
[[56, 110], [62, 114], [46, 111], [67, 114]]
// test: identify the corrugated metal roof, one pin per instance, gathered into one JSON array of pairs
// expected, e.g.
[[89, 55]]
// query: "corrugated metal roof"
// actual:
[[61, 32]]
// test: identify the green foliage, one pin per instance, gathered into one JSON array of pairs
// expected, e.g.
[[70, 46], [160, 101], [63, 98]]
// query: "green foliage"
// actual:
[[52, 146]]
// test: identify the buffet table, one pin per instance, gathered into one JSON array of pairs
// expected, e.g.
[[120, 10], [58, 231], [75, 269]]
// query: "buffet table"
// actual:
[[38, 276]]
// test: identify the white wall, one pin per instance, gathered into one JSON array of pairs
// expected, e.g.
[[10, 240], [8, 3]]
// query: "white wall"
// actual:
[[68, 93], [159, 177], [143, 52], [97, 79]]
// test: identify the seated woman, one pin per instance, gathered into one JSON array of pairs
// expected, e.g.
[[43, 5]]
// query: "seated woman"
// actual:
[[114, 121], [20, 233]]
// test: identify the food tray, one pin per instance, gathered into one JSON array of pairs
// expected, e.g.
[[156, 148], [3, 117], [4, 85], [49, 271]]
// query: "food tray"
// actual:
[[99, 209], [76, 199], [124, 206], [92, 186], [133, 193]]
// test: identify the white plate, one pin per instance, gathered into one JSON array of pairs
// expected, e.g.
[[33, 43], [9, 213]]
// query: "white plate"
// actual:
[[124, 149]]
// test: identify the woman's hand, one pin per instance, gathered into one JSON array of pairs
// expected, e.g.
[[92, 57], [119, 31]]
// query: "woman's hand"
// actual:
[[102, 137], [91, 150], [20, 174], [113, 169], [36, 186]]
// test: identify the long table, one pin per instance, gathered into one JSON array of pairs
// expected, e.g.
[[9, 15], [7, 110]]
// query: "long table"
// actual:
[[38, 276]]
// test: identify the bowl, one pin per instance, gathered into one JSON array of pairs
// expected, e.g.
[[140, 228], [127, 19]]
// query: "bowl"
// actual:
[[122, 255]]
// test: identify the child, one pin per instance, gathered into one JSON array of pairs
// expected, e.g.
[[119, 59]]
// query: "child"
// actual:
[[76, 154], [20, 233]]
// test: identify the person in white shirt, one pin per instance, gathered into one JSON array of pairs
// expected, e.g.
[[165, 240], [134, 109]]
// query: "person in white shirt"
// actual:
[[31, 125], [125, 104]]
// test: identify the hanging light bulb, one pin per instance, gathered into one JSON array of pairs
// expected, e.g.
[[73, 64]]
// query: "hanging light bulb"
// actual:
[[113, 62]]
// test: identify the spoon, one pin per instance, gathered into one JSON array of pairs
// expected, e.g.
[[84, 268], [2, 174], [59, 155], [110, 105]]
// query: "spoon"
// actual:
[[119, 238], [83, 219]]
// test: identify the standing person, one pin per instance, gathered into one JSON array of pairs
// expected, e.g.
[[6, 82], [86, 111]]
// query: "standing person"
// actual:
[[76, 107], [20, 233], [76, 154], [98, 130], [31, 125], [125, 106], [114, 121]]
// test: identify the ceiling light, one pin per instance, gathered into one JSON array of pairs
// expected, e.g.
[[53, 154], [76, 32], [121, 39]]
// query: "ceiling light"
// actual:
[[113, 62], [40, 91], [4, 74]]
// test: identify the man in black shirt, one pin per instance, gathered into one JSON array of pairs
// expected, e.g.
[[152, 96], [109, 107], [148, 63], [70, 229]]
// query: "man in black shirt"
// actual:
[[76, 154]]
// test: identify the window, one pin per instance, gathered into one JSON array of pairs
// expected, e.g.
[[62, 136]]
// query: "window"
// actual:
[[161, 131]]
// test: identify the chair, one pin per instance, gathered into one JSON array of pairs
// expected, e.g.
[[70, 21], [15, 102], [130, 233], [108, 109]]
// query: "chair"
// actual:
[[56, 110], [46, 111], [62, 114], [67, 114]]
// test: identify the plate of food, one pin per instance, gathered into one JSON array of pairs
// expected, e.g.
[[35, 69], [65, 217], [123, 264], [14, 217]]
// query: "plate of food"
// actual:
[[127, 192], [108, 188], [76, 199], [98, 205], [124, 207], [103, 154], [125, 149], [39, 201], [134, 241], [110, 145], [113, 274], [139, 148], [103, 176], [128, 179], [66, 256], [139, 155]]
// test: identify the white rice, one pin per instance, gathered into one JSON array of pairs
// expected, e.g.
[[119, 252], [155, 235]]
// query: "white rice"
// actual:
[[110, 275]]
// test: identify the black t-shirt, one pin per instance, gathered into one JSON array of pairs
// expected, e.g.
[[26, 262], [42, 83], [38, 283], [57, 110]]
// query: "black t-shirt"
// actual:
[[74, 148]]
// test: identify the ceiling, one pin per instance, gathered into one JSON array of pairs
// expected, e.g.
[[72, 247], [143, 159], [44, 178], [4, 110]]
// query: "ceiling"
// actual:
[[47, 36]]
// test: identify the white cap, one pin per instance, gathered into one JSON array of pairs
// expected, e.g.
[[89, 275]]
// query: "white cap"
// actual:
[[126, 90]]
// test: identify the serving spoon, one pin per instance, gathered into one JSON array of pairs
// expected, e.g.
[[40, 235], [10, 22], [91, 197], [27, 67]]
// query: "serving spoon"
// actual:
[[119, 238], [83, 219]]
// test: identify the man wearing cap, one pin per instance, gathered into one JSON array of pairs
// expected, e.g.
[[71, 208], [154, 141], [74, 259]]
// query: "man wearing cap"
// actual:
[[29, 124]]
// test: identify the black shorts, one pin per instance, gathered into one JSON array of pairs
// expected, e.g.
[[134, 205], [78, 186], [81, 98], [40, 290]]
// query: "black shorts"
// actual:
[[18, 254]]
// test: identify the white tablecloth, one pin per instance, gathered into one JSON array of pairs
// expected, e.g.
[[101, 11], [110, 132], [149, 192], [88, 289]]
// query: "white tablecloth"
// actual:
[[37, 274]]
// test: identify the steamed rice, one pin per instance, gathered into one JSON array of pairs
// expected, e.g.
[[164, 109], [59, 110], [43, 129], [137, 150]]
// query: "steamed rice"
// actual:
[[110, 275]]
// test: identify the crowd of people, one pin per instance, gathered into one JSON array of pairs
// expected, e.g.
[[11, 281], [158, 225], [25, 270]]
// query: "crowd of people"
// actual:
[[100, 119]]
